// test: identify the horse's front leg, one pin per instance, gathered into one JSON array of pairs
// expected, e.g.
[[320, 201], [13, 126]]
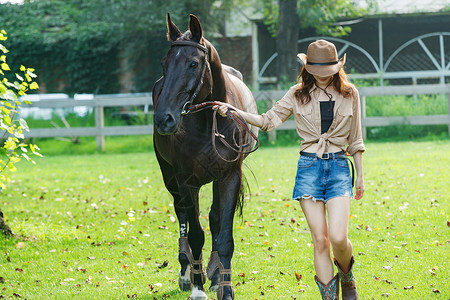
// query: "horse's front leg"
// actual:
[[196, 239], [229, 189], [184, 251]]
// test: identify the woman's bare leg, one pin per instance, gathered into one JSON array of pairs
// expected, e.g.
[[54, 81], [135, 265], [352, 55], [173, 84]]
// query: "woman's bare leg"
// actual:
[[315, 214], [338, 218]]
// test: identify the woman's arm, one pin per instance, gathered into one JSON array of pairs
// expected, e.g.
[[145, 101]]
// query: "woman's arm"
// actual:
[[253, 119], [359, 185]]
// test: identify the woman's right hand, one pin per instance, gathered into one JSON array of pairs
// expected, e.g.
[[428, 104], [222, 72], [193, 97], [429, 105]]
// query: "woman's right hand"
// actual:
[[222, 108]]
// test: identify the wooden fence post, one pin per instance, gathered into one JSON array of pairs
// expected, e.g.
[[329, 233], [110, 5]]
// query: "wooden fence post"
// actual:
[[99, 124], [363, 116], [448, 107]]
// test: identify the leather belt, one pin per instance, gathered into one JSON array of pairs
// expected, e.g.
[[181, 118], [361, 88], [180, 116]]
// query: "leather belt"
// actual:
[[336, 155]]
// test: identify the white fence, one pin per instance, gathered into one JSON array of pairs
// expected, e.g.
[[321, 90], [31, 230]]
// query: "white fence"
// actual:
[[99, 102]]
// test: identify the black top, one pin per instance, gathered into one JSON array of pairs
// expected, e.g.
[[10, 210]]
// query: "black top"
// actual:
[[326, 115]]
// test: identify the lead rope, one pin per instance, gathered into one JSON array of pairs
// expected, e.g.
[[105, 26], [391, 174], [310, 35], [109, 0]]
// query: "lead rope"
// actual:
[[237, 122]]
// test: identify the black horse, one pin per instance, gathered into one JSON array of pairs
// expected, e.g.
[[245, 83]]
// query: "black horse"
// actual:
[[189, 157]]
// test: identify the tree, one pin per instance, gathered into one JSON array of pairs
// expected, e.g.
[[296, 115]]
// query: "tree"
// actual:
[[285, 18], [13, 149], [83, 45]]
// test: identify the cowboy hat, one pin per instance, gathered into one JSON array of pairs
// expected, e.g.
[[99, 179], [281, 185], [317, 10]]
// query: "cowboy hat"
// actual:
[[321, 59]]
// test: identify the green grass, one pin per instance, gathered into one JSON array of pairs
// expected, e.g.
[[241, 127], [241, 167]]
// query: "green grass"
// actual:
[[98, 226]]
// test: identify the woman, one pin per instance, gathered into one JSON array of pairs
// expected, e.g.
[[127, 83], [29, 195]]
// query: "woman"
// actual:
[[327, 116]]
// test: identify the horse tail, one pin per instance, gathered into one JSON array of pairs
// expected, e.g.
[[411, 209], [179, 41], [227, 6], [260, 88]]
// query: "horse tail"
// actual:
[[241, 199], [243, 191]]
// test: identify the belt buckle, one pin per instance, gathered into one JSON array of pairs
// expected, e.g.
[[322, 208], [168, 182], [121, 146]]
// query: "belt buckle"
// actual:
[[326, 156]]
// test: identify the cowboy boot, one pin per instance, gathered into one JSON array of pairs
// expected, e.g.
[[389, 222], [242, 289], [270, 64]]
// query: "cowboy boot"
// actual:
[[348, 284], [329, 291]]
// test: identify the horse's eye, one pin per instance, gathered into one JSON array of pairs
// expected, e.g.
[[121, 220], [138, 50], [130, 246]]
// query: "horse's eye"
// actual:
[[193, 65]]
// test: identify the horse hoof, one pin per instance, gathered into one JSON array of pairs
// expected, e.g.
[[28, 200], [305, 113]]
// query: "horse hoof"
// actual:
[[184, 285], [198, 295], [184, 282]]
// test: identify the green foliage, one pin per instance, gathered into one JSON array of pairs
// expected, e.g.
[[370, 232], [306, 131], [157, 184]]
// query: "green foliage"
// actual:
[[321, 15], [85, 45], [88, 229], [13, 148]]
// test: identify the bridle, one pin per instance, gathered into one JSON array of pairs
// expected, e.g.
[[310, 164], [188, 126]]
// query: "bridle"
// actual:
[[188, 103], [237, 121]]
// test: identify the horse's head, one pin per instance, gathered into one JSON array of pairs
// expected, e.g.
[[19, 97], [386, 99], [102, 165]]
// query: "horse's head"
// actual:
[[187, 75]]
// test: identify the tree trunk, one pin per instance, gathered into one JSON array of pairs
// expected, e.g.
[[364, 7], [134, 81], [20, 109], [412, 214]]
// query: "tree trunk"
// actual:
[[287, 37], [4, 229]]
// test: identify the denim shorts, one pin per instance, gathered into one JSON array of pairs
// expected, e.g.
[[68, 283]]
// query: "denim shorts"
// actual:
[[322, 179]]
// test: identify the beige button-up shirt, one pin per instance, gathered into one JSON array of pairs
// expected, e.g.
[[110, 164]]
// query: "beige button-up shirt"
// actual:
[[344, 130]]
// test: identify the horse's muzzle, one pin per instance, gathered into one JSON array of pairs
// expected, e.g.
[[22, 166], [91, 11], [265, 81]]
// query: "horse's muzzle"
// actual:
[[166, 124]]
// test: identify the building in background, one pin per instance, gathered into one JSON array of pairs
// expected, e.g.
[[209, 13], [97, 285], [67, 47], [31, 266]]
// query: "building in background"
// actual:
[[403, 42]]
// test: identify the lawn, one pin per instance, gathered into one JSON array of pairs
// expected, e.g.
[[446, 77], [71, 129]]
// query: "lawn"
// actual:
[[102, 226]]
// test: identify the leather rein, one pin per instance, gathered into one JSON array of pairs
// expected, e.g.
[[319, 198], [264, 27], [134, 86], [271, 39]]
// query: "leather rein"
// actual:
[[236, 120]]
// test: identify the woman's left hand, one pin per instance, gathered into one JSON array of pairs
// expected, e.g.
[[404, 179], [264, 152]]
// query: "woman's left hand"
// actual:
[[359, 185]]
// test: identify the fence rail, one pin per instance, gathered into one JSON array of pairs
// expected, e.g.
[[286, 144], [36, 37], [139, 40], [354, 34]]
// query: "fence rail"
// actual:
[[99, 102]]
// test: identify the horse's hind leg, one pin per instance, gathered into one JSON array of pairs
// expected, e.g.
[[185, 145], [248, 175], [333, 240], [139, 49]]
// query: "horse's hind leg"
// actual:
[[214, 224], [229, 189], [184, 251]]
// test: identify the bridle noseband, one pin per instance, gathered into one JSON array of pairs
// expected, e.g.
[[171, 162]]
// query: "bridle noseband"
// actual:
[[186, 106]]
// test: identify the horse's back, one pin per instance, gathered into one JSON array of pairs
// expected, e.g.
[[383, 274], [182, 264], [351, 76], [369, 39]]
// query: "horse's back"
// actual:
[[232, 71], [245, 102]]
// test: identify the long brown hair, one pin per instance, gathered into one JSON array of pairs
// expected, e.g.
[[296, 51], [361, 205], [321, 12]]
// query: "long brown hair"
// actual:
[[307, 80]]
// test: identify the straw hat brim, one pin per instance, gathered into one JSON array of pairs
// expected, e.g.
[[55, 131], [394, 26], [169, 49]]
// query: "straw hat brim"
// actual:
[[322, 71]]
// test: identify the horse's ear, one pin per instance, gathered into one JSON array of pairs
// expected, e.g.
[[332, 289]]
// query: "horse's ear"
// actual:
[[196, 29], [173, 33]]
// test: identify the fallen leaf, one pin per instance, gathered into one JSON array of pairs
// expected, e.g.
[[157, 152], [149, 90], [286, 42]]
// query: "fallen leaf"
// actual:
[[408, 287], [89, 279], [436, 291], [163, 265], [19, 270], [387, 267], [2, 280], [69, 279], [298, 276], [241, 275], [20, 245]]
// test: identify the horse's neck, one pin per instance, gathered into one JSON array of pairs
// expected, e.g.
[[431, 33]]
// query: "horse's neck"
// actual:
[[219, 81]]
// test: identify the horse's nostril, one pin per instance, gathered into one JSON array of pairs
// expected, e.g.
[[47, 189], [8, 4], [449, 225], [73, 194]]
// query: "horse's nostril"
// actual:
[[169, 120], [165, 123]]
